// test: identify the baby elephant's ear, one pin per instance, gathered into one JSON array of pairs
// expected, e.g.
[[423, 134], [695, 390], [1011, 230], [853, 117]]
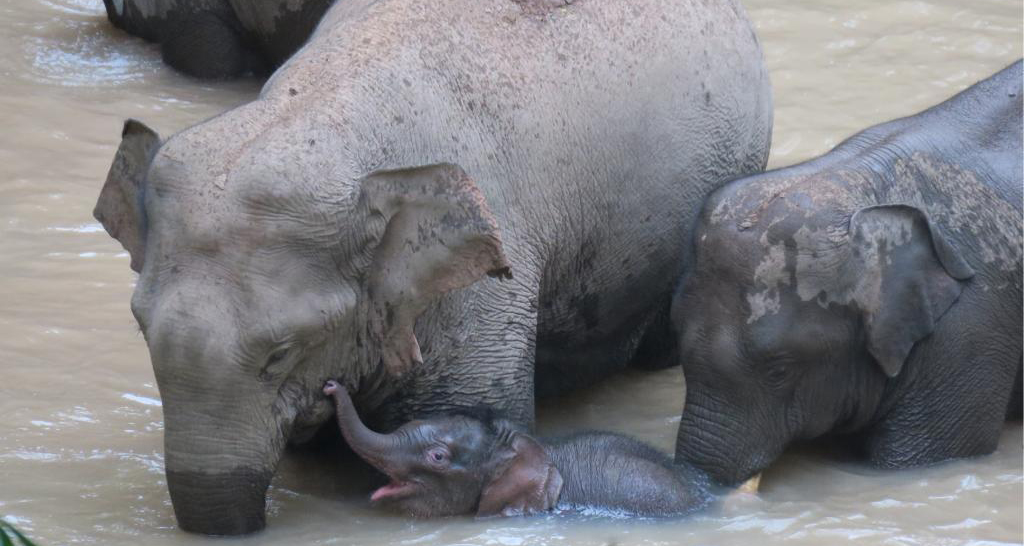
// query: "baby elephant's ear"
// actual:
[[524, 480]]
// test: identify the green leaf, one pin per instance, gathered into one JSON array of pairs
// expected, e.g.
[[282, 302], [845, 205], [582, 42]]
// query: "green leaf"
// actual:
[[5, 539], [25, 541]]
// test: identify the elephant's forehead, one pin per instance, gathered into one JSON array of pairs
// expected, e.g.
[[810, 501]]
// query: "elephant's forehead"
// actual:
[[262, 144], [785, 199], [723, 251], [195, 302], [203, 221], [774, 233], [242, 249], [253, 212], [457, 431], [756, 223]]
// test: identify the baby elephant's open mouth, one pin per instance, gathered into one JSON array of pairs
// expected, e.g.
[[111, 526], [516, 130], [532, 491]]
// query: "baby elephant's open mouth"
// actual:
[[394, 490]]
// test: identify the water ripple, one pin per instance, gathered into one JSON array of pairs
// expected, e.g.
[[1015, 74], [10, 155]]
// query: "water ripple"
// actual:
[[88, 53], [142, 399], [83, 228]]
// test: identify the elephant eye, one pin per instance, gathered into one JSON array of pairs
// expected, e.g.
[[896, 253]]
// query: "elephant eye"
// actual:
[[277, 356], [437, 456], [274, 362], [778, 371]]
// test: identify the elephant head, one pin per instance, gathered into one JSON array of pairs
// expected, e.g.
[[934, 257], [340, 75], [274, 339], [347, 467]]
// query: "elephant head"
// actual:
[[452, 465], [802, 305], [268, 263]]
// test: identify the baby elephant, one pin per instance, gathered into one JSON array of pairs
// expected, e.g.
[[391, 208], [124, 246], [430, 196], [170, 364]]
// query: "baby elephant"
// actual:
[[477, 464]]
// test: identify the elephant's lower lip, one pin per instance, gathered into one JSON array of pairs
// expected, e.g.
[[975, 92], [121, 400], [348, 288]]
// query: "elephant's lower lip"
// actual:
[[393, 490]]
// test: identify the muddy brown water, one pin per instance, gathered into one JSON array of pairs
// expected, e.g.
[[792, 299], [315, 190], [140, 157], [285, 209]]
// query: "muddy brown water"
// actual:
[[80, 417]]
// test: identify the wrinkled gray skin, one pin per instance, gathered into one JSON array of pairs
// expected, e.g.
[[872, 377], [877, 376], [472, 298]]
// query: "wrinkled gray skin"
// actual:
[[476, 464], [408, 150], [220, 38], [874, 293]]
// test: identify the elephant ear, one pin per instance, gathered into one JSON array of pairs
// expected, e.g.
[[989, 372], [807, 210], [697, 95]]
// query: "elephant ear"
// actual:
[[439, 235], [908, 277], [524, 480], [119, 207]]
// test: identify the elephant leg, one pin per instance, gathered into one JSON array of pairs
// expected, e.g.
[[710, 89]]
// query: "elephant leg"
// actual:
[[126, 15], [565, 364], [1015, 409], [208, 44], [659, 345]]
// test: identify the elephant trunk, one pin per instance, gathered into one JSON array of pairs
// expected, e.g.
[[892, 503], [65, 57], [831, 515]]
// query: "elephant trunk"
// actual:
[[218, 472], [222, 444], [376, 449], [227, 503], [730, 447]]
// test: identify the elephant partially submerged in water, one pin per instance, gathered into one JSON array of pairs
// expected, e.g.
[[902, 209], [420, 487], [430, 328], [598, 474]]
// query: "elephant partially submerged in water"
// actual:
[[872, 293], [220, 38], [535, 156], [475, 463]]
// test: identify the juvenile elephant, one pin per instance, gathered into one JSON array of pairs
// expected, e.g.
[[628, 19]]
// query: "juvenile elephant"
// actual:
[[409, 149], [478, 464], [220, 38], [874, 292]]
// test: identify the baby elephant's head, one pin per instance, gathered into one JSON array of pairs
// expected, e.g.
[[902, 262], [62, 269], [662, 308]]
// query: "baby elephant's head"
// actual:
[[451, 465]]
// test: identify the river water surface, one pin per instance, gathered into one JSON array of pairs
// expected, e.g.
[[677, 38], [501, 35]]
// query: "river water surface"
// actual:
[[80, 417]]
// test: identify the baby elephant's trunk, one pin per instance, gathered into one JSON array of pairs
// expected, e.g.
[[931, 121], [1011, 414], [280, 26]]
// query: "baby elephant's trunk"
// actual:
[[373, 447]]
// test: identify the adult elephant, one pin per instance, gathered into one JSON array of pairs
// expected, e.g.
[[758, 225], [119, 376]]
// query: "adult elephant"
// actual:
[[220, 38], [410, 149], [874, 292]]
